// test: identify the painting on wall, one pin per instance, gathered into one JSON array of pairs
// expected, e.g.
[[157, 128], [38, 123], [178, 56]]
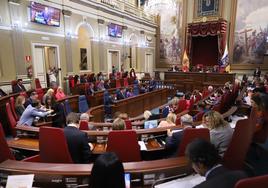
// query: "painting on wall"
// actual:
[[83, 59], [251, 32], [206, 8], [170, 29]]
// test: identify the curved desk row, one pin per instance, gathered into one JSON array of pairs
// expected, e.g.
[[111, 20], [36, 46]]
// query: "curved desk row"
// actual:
[[143, 173]]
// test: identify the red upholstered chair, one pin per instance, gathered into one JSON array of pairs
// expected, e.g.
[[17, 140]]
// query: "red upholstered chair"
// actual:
[[235, 154], [40, 93], [13, 83], [118, 75], [256, 182], [83, 125], [71, 81], [117, 83], [189, 135], [216, 107], [205, 93], [12, 106], [126, 82], [37, 83], [53, 146], [11, 120], [125, 145], [128, 124], [4, 149], [199, 116], [182, 105]]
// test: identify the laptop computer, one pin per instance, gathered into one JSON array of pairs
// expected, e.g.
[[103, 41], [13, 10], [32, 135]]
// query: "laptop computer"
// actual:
[[150, 124]]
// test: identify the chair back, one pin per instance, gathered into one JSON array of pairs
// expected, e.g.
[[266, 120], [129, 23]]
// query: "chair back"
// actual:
[[126, 82], [12, 106], [40, 93], [11, 120], [257, 182], [125, 145], [53, 146], [13, 84], [117, 83], [37, 83], [82, 103], [182, 105], [199, 116], [4, 149], [128, 124], [236, 152], [67, 107], [71, 81], [83, 125], [191, 134]]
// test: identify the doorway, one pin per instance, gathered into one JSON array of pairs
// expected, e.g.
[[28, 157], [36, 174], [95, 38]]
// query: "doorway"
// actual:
[[113, 59], [148, 63], [46, 56]]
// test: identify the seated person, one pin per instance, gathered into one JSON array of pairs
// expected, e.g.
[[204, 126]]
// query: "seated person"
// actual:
[[220, 131], [85, 117], [100, 86], [77, 140], [107, 84], [172, 107], [90, 90], [170, 120], [259, 103], [31, 112], [196, 95], [119, 95], [129, 92], [202, 108], [187, 97], [2, 93], [60, 94], [50, 93], [33, 97], [206, 162], [107, 171], [152, 85], [19, 105], [19, 87], [173, 139], [119, 124], [58, 118]]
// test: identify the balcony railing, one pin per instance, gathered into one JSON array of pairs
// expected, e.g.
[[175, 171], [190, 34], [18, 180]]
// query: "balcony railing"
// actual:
[[127, 8]]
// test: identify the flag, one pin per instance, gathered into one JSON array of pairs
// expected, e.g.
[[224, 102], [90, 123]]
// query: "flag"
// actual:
[[224, 62], [185, 62]]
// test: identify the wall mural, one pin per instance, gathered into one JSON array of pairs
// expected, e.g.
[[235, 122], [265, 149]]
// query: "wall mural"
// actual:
[[170, 28], [251, 31]]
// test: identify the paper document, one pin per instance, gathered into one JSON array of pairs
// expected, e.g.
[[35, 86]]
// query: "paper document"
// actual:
[[186, 182], [20, 181], [142, 146]]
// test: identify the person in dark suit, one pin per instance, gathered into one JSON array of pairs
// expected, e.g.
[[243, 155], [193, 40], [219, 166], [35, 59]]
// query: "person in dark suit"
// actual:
[[257, 72], [33, 97], [205, 161], [19, 87], [107, 84], [173, 140], [119, 94], [77, 140]]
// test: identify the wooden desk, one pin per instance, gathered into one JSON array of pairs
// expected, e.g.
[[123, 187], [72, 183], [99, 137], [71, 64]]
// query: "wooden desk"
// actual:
[[60, 175], [135, 106], [30, 144], [188, 81], [73, 101]]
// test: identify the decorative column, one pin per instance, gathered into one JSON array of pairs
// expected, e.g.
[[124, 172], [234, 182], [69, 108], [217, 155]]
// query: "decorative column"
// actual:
[[17, 37], [68, 40]]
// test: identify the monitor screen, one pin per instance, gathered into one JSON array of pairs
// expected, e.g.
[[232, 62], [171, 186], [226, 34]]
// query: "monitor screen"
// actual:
[[115, 30], [43, 14], [150, 124]]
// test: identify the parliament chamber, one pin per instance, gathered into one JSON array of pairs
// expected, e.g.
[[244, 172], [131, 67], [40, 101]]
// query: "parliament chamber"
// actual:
[[133, 93]]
